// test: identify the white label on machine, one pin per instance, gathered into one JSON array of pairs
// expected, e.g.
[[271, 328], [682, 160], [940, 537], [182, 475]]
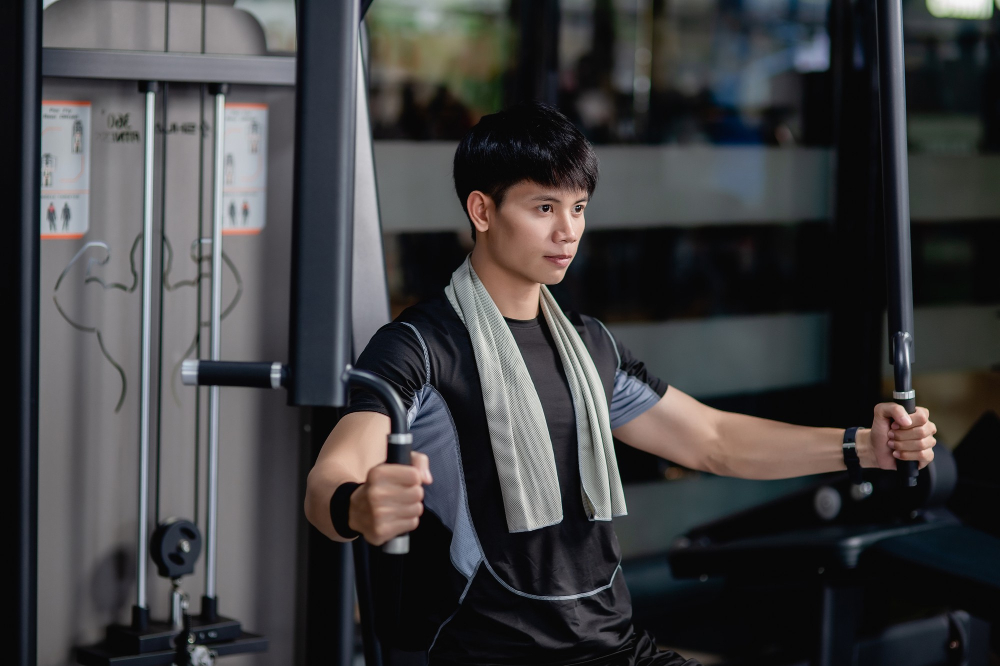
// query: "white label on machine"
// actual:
[[65, 169], [245, 163]]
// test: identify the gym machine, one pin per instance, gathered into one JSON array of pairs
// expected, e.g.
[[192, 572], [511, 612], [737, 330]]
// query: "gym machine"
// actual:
[[893, 535], [848, 549], [320, 344], [176, 543]]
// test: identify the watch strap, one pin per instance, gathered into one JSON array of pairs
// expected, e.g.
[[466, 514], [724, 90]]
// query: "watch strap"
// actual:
[[340, 507], [851, 458]]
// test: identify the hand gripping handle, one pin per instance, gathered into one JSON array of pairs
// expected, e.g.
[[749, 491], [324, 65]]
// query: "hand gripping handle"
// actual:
[[400, 439], [400, 445]]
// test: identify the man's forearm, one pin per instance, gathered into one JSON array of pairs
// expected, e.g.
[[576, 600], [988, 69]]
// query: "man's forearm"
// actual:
[[319, 491], [755, 448]]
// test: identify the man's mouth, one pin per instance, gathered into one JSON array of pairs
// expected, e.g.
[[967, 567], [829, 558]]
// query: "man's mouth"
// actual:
[[561, 260]]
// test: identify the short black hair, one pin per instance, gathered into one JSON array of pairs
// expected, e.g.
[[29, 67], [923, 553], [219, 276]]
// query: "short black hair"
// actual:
[[528, 141]]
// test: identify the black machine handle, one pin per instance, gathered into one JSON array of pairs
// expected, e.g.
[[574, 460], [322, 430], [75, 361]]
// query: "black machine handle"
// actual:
[[400, 440], [903, 394], [387, 587], [896, 202], [196, 372]]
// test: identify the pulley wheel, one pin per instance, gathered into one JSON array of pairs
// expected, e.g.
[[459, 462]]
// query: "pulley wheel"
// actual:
[[175, 547]]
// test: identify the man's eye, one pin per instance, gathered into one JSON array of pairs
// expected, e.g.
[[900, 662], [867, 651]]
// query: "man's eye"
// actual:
[[579, 209], [545, 208]]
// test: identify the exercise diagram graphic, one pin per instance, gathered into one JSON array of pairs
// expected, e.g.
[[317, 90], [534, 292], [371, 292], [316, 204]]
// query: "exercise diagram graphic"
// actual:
[[245, 175], [50, 215], [91, 264], [65, 169], [48, 169]]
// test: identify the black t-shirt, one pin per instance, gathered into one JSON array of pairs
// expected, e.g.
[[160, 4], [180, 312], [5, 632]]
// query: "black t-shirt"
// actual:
[[476, 593]]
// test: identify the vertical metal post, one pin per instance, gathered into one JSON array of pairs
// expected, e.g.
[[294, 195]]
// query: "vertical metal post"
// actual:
[[856, 328], [20, 152], [896, 199], [319, 341], [140, 614], [211, 521]]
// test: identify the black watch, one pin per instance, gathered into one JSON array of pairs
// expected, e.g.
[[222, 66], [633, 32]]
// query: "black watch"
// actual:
[[851, 458]]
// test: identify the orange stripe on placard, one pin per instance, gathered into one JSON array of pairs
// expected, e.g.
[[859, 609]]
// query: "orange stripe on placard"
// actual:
[[63, 236], [244, 105], [240, 232], [63, 102]]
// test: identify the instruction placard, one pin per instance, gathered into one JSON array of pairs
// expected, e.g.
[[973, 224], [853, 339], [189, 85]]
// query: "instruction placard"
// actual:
[[65, 169], [245, 169]]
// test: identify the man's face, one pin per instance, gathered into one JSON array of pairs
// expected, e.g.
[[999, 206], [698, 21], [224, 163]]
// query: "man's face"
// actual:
[[536, 231]]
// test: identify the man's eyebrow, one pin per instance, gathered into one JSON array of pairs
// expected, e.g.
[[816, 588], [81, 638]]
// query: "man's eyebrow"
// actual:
[[552, 197]]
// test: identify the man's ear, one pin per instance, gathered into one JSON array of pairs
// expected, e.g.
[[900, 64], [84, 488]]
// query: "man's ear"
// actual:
[[480, 208]]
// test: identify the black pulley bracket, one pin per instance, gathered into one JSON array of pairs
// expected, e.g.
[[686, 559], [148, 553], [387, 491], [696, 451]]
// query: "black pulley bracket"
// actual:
[[175, 547]]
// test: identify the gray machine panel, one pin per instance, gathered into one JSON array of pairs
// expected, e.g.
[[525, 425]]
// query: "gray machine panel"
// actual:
[[88, 458]]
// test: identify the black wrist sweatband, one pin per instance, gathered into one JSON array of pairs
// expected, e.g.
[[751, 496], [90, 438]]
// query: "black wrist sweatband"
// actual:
[[340, 509], [851, 459]]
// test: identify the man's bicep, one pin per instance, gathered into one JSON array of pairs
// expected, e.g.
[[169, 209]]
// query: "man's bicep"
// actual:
[[355, 445], [678, 428]]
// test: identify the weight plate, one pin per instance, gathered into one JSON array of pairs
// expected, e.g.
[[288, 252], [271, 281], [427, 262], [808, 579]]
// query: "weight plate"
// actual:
[[175, 547]]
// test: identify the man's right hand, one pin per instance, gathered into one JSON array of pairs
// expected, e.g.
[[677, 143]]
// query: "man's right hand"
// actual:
[[390, 502]]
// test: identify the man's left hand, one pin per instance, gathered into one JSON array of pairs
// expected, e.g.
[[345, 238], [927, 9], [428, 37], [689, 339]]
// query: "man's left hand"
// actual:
[[896, 435]]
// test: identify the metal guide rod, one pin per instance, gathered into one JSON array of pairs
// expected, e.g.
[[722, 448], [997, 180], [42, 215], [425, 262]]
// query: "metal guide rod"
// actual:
[[896, 201], [211, 522], [141, 612]]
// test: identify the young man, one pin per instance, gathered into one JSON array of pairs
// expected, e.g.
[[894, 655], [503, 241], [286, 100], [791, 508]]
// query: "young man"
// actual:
[[513, 405]]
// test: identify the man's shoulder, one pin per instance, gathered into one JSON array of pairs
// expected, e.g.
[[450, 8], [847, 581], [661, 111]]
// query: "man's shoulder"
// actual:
[[590, 325], [422, 327], [595, 335], [436, 308]]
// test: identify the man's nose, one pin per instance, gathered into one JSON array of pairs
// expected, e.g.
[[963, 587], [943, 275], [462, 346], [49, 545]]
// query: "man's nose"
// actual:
[[565, 231]]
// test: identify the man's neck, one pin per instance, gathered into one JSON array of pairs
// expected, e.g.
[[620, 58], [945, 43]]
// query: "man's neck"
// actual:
[[515, 297]]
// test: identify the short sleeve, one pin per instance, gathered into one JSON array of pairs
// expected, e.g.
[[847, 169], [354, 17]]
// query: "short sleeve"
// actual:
[[395, 354], [636, 389]]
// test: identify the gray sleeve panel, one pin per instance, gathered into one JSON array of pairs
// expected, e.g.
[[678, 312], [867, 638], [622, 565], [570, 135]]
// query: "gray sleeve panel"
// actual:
[[434, 435], [618, 355], [631, 398], [423, 346]]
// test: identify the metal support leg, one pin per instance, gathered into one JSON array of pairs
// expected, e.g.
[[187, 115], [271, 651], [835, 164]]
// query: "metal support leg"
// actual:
[[140, 613], [840, 612], [209, 606]]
